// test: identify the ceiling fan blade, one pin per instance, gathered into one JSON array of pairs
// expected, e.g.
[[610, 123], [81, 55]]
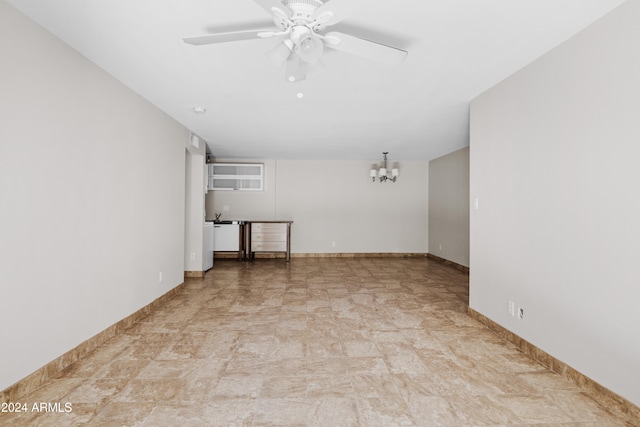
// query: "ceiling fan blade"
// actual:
[[269, 5], [365, 48], [225, 37], [294, 69], [334, 11]]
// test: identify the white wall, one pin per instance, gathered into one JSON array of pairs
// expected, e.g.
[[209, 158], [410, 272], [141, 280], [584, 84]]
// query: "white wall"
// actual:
[[554, 164], [335, 201], [194, 207], [449, 206], [92, 199]]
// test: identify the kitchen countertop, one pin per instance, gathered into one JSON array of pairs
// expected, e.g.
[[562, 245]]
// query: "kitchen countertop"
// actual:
[[274, 221], [243, 221]]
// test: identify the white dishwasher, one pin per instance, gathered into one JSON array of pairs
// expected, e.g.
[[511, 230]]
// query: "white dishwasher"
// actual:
[[226, 236]]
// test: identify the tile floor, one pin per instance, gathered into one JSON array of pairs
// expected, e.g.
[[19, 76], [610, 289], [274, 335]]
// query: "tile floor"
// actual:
[[314, 342]]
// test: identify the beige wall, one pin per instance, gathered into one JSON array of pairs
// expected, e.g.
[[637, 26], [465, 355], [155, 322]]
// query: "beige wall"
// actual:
[[554, 165], [449, 207], [194, 207], [335, 201], [92, 191]]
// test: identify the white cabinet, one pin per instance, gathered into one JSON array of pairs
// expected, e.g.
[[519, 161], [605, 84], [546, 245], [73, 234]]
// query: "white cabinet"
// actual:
[[236, 176], [208, 246], [226, 237]]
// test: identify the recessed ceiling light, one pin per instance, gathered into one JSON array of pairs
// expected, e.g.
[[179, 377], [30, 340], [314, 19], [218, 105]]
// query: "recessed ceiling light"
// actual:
[[299, 94], [199, 110]]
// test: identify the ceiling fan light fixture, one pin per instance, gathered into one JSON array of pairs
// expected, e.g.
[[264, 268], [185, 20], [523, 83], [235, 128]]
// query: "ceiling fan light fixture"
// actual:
[[280, 53], [295, 70], [311, 49]]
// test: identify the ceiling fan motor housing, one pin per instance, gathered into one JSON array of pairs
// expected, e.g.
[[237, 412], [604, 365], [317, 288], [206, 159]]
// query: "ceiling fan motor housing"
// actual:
[[296, 5], [302, 10]]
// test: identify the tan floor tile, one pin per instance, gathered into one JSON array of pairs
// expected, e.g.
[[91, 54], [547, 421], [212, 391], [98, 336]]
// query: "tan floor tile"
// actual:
[[384, 412], [480, 410], [360, 348], [287, 344], [579, 406], [332, 411], [164, 369], [229, 412], [367, 385], [247, 365], [314, 342], [532, 409], [78, 414], [417, 385], [236, 386], [148, 390], [176, 415], [323, 347], [285, 367], [118, 414], [429, 411], [321, 386], [122, 368], [96, 391], [281, 412], [284, 387], [54, 390], [334, 366]]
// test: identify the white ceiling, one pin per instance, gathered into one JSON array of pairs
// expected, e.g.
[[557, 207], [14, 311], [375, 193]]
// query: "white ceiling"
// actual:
[[354, 108]]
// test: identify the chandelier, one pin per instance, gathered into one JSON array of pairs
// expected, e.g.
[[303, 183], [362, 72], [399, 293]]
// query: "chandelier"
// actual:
[[383, 173]]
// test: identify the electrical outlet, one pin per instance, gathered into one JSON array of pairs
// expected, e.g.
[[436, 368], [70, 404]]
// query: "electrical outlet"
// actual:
[[160, 277], [512, 308], [225, 208], [440, 247], [192, 256], [333, 244]]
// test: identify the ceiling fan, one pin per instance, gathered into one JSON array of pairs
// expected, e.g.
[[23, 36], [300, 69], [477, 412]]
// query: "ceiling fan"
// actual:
[[299, 24]]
